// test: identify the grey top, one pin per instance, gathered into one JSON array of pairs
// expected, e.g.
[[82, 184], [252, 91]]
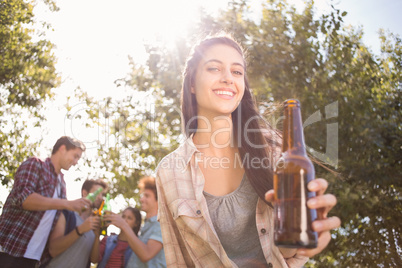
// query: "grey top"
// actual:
[[77, 255], [233, 217]]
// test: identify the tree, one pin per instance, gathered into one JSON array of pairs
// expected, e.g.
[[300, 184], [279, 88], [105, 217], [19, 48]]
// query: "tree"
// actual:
[[348, 90], [27, 76]]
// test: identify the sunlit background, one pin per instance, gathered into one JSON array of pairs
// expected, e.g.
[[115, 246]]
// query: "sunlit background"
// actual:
[[94, 40]]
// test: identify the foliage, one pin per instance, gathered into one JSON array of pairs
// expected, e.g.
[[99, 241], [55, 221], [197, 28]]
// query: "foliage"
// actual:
[[27, 75], [322, 63]]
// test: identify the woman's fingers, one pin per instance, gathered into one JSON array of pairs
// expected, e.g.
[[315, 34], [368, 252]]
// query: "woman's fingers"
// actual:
[[326, 224], [322, 227], [323, 204], [318, 185], [114, 219], [269, 196]]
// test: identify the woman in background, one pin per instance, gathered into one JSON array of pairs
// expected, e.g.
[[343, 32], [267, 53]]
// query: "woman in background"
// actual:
[[114, 251]]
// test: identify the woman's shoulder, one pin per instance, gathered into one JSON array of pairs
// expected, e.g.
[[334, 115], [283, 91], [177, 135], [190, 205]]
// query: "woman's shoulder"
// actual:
[[170, 157], [169, 165], [177, 159]]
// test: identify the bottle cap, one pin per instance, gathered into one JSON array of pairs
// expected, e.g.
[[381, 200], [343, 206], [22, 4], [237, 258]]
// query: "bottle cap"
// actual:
[[292, 102]]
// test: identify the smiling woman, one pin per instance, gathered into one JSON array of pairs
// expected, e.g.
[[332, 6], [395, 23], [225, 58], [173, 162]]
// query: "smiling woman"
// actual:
[[214, 215]]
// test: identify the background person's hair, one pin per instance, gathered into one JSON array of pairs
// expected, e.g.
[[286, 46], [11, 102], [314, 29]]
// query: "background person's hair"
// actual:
[[89, 183], [138, 218], [253, 144], [70, 143], [148, 183]]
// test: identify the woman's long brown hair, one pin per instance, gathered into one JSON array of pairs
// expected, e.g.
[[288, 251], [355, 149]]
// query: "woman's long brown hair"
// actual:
[[258, 144]]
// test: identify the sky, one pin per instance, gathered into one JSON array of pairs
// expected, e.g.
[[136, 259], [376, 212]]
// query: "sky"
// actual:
[[373, 15], [94, 38]]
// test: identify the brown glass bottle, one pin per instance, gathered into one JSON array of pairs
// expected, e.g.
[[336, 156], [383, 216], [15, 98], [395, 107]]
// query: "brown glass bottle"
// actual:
[[293, 171]]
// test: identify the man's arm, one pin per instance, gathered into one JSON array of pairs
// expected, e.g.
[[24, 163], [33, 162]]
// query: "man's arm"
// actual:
[[57, 235], [28, 178], [95, 247], [58, 242], [37, 202]]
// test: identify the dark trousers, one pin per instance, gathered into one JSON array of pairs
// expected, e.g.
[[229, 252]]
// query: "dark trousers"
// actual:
[[8, 261]]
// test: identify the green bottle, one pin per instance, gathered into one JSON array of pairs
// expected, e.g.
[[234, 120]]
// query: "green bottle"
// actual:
[[92, 196], [107, 206], [107, 209]]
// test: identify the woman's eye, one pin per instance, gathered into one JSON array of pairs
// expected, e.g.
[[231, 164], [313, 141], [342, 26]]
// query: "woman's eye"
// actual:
[[213, 69], [238, 72]]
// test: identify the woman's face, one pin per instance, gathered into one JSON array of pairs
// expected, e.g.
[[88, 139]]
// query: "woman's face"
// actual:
[[129, 217], [219, 81]]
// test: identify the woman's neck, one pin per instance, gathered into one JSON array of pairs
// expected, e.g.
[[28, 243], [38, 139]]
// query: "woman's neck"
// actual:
[[214, 133]]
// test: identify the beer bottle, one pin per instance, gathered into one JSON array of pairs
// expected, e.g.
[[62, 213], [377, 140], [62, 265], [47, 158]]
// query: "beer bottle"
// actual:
[[107, 209], [92, 196], [293, 171]]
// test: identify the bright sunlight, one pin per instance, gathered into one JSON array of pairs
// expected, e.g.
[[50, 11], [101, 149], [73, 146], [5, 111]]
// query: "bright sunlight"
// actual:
[[94, 40]]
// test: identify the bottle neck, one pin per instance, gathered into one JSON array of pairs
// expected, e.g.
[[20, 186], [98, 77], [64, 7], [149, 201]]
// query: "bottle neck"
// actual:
[[293, 138]]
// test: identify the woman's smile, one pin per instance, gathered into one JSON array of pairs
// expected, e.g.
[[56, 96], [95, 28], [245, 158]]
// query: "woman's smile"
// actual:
[[224, 93]]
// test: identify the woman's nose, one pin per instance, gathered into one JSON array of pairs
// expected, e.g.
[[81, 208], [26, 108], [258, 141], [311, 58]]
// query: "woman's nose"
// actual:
[[227, 77]]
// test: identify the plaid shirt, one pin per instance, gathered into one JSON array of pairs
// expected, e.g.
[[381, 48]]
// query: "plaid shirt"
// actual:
[[17, 225], [189, 238]]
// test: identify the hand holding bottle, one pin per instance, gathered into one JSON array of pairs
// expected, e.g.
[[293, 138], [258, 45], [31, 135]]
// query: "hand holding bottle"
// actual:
[[323, 203], [292, 172], [117, 220], [90, 223], [78, 205], [301, 208]]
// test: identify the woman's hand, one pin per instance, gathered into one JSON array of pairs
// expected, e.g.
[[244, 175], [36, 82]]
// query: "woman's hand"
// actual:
[[323, 203], [116, 220]]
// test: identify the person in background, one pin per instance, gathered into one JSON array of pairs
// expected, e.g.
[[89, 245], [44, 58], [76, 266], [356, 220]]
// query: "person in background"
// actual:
[[32, 207], [72, 240], [148, 246], [114, 250], [215, 191]]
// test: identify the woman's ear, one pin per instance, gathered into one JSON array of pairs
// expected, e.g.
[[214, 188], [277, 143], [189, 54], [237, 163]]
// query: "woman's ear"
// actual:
[[192, 90]]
